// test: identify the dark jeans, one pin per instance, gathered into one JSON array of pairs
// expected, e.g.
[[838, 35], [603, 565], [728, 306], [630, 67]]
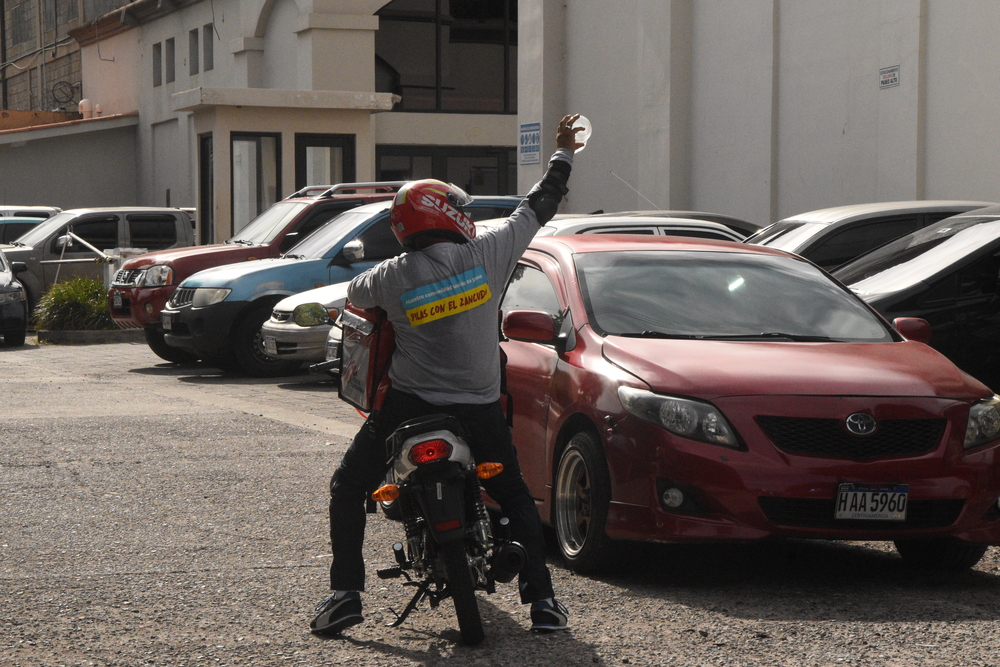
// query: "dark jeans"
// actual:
[[364, 467]]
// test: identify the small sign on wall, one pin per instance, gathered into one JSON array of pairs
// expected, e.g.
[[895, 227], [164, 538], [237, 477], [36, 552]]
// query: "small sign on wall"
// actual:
[[530, 146], [888, 77]]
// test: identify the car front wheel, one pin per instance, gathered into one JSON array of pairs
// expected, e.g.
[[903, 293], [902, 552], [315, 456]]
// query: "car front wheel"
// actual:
[[946, 554], [582, 494], [248, 346], [15, 337]]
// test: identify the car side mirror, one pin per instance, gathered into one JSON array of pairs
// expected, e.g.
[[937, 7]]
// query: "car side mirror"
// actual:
[[354, 251], [913, 328], [64, 242], [18, 267], [530, 326]]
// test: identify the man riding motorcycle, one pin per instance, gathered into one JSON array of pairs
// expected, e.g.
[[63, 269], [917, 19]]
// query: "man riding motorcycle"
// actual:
[[441, 297]]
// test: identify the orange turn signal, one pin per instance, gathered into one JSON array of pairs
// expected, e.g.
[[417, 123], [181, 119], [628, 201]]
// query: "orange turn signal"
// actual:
[[487, 470], [386, 494]]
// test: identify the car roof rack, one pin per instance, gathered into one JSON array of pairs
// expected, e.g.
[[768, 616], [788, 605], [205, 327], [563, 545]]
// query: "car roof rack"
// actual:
[[325, 191]]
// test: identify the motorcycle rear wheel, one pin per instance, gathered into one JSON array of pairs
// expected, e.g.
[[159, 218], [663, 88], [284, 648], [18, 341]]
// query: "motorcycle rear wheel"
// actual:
[[463, 592]]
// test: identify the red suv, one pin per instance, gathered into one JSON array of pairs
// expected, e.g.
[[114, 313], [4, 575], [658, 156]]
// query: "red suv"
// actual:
[[143, 285]]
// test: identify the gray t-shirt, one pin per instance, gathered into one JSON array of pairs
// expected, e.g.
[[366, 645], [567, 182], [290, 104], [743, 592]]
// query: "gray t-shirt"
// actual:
[[443, 302]]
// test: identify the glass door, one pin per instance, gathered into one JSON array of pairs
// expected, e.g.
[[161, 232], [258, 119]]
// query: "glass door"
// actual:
[[256, 169], [323, 159]]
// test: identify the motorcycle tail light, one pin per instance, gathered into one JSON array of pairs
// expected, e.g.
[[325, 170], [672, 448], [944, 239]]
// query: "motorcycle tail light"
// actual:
[[487, 470], [430, 451], [386, 494]]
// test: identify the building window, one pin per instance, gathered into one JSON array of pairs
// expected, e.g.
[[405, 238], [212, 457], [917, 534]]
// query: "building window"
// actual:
[[478, 170], [169, 60], [207, 45], [157, 64], [21, 28], [456, 56], [59, 12], [193, 39], [256, 165]]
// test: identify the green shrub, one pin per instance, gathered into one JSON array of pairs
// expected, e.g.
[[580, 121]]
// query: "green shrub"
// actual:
[[76, 304]]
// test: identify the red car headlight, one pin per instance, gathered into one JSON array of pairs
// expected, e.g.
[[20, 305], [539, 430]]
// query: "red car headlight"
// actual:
[[984, 422], [156, 276], [681, 416]]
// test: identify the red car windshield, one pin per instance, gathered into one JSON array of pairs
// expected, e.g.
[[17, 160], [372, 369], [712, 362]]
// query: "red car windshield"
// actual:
[[720, 296], [265, 227]]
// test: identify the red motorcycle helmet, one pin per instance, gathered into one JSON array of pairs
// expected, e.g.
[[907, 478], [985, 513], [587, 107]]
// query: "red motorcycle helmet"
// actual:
[[429, 210]]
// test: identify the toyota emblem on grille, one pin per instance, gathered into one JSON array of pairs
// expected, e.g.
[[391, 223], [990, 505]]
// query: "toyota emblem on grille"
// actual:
[[861, 423]]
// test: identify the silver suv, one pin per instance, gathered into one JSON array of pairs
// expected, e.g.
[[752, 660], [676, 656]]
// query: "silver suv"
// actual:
[[51, 253]]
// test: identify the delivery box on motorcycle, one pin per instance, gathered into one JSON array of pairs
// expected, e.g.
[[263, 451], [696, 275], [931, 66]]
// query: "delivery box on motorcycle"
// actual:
[[366, 352]]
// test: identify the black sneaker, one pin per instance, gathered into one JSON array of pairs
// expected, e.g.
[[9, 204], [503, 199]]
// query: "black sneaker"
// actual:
[[548, 615], [336, 614]]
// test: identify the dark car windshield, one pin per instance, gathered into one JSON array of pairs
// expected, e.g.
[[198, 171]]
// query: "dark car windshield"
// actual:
[[320, 242], [720, 295], [919, 255], [266, 226]]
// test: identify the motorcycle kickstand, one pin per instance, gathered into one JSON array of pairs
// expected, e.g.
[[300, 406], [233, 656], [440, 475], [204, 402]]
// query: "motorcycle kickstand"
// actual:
[[423, 590]]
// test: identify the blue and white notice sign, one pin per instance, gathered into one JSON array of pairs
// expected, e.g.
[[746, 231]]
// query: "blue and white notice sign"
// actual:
[[530, 147]]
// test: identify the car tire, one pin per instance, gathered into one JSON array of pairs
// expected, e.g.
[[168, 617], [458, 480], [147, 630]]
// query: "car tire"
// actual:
[[14, 337], [942, 554], [248, 346], [581, 496], [154, 338]]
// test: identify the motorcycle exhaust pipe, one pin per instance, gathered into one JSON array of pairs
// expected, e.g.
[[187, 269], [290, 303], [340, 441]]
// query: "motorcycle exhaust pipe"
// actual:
[[507, 562]]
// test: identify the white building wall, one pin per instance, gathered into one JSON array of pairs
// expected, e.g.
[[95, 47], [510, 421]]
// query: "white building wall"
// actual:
[[962, 100], [827, 103], [765, 108], [731, 109]]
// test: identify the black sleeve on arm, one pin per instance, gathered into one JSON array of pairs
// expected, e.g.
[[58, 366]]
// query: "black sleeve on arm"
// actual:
[[544, 198]]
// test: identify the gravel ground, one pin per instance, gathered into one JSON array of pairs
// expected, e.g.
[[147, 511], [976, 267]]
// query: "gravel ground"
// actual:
[[162, 515]]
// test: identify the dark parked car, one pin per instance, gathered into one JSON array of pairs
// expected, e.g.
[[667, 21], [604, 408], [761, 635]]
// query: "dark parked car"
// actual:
[[13, 306], [947, 274], [832, 237], [662, 392]]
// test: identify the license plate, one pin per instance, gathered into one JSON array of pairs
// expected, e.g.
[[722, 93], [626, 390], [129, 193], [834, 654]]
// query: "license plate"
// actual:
[[270, 347], [165, 320], [872, 502], [116, 299]]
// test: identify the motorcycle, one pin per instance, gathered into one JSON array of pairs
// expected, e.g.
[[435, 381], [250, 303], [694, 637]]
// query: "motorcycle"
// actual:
[[450, 547], [432, 488]]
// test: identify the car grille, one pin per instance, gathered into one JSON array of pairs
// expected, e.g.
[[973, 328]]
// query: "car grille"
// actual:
[[127, 277], [818, 513], [829, 438], [183, 296], [280, 315]]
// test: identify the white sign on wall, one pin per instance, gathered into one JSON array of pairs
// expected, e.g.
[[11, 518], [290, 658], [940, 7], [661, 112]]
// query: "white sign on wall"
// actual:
[[530, 146], [888, 77]]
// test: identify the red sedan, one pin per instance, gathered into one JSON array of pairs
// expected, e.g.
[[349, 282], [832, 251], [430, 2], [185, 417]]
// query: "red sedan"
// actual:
[[673, 389]]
